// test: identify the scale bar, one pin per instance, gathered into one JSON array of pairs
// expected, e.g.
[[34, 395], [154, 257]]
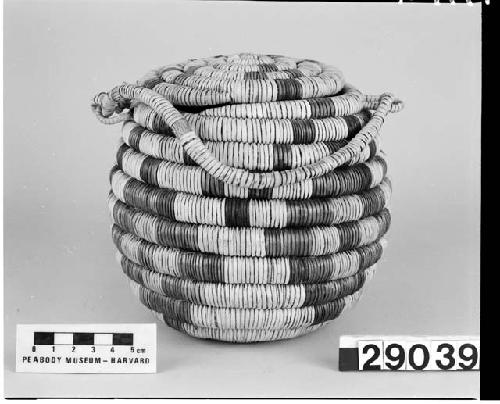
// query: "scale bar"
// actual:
[[123, 339], [82, 338], [44, 338]]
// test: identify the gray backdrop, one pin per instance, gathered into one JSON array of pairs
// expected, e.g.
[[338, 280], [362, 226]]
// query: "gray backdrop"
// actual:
[[59, 258]]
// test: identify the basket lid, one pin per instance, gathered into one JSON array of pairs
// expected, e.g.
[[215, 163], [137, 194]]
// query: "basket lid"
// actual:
[[243, 78]]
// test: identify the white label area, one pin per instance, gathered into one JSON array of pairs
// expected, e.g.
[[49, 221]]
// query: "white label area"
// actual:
[[86, 348], [414, 353]]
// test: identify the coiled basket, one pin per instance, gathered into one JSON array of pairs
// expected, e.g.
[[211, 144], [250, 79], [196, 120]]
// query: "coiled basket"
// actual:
[[249, 197]]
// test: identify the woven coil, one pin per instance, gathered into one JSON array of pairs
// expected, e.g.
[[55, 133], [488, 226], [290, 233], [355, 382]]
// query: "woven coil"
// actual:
[[250, 196]]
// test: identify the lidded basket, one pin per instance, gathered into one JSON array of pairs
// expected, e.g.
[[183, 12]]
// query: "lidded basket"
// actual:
[[249, 198]]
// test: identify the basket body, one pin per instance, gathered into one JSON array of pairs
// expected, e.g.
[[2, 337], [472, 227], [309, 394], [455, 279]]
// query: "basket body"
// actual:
[[253, 205]]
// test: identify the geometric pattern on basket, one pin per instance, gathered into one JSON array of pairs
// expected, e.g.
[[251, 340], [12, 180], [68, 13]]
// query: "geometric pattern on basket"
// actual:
[[244, 296], [273, 131], [217, 317], [185, 207], [249, 241], [195, 180], [243, 78], [245, 270], [251, 156], [250, 195], [236, 335]]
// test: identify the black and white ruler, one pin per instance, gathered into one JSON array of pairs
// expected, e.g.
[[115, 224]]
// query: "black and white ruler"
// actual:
[[86, 348], [404, 352]]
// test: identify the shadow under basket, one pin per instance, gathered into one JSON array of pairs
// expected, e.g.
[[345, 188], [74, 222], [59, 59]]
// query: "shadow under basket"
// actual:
[[250, 194]]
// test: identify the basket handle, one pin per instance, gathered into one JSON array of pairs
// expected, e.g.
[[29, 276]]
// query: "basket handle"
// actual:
[[108, 108]]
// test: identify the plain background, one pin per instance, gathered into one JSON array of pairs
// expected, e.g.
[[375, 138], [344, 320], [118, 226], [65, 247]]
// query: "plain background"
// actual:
[[59, 258]]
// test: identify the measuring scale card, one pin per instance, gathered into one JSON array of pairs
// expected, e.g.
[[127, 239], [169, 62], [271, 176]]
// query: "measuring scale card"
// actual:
[[86, 348]]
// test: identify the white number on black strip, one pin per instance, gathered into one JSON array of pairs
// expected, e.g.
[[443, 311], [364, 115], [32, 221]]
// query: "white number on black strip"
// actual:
[[449, 353]]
